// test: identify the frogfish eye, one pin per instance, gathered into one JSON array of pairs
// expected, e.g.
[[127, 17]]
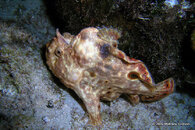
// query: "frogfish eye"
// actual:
[[58, 52]]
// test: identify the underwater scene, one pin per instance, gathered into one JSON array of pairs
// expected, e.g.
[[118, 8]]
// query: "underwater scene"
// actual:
[[97, 64]]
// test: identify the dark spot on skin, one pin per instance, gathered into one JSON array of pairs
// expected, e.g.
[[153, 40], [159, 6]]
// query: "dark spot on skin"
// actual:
[[105, 50], [133, 75], [92, 74], [109, 89], [106, 82], [108, 92], [167, 85], [99, 107], [114, 45]]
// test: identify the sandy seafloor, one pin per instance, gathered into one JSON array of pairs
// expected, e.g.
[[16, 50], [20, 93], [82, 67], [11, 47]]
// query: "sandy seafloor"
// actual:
[[31, 98]]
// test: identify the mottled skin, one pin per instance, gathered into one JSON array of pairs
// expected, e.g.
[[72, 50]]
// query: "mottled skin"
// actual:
[[92, 65]]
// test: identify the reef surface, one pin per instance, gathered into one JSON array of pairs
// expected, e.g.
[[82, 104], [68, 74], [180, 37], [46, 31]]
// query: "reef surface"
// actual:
[[32, 98]]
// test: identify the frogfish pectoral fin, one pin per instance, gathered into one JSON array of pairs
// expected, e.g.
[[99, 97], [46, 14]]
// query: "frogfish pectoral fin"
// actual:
[[162, 90]]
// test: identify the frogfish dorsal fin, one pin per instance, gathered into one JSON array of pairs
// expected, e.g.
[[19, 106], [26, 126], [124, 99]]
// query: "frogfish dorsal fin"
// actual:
[[108, 34]]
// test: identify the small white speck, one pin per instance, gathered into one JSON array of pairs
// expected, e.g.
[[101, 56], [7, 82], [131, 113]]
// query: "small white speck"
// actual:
[[45, 119], [171, 2]]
